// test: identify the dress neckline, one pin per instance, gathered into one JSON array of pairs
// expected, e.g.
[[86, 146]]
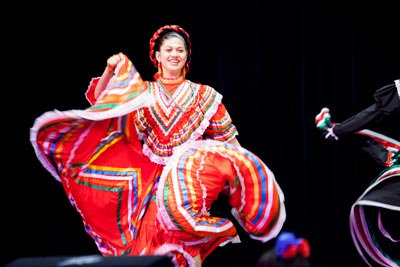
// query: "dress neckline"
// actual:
[[175, 81]]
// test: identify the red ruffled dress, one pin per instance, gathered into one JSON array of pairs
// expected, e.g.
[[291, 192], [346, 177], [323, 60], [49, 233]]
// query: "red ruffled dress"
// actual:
[[195, 176], [110, 156]]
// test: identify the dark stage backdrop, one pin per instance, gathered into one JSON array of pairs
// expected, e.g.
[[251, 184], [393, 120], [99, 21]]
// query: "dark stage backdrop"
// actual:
[[277, 63]]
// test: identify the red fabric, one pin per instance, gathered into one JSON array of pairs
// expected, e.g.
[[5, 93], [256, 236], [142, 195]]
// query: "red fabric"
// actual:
[[195, 177], [98, 157]]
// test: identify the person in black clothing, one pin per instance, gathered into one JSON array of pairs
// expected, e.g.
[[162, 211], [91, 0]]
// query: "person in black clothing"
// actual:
[[374, 217], [358, 129]]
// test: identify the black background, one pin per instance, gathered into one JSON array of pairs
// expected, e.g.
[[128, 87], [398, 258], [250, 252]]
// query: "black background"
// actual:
[[277, 63]]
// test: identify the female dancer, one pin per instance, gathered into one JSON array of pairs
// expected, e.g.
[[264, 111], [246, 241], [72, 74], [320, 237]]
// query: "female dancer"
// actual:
[[110, 157]]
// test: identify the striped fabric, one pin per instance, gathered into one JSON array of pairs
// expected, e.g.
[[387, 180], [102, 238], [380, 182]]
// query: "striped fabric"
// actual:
[[124, 87], [198, 173], [190, 112], [388, 143], [375, 220], [375, 216], [194, 111], [106, 178], [98, 156]]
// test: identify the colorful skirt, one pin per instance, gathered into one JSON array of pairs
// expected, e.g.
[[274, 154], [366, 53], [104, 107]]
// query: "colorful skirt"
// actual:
[[375, 220], [193, 179], [132, 206]]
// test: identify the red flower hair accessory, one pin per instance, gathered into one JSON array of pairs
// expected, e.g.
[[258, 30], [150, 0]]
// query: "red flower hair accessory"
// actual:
[[155, 42], [287, 246]]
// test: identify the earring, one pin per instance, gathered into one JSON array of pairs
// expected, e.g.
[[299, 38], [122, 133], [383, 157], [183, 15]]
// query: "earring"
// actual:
[[159, 69], [184, 72]]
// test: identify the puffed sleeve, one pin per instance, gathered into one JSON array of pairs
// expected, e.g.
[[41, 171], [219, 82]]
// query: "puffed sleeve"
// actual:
[[221, 127]]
